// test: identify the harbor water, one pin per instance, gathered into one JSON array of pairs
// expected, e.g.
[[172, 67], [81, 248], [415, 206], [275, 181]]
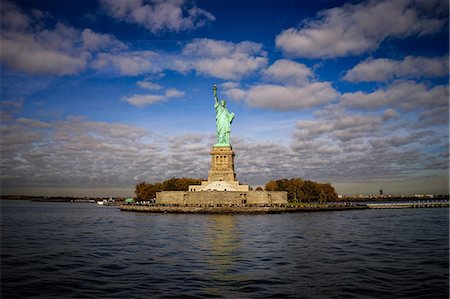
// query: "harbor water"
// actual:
[[82, 250]]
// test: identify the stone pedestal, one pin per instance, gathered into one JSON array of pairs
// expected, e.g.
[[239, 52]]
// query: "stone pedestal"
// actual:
[[221, 189], [222, 164], [221, 176]]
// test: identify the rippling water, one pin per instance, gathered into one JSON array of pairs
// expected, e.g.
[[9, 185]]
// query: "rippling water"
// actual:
[[66, 250]]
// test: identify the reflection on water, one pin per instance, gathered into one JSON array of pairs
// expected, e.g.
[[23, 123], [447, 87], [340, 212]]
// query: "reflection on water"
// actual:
[[222, 238], [84, 251]]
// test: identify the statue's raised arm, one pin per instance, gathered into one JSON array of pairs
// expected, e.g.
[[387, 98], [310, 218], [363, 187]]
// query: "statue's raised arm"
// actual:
[[216, 100], [223, 120]]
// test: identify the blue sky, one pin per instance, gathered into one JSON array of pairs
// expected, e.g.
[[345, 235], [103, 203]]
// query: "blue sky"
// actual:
[[97, 96]]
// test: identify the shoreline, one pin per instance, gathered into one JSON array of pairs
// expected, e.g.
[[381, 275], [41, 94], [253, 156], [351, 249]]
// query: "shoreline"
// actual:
[[233, 210], [278, 209]]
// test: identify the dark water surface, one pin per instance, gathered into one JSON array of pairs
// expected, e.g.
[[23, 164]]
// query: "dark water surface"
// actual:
[[67, 250]]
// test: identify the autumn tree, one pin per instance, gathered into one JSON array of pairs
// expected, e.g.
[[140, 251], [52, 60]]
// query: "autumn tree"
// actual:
[[146, 191], [303, 190]]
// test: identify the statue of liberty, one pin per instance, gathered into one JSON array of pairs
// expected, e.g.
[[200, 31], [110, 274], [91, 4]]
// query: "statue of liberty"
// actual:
[[223, 120]]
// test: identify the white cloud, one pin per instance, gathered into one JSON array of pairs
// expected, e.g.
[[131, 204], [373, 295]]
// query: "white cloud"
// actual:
[[335, 146], [26, 45], [11, 104], [28, 53], [158, 16], [290, 97], [390, 114], [355, 29], [236, 94], [78, 152], [142, 100], [338, 125], [286, 71], [406, 95], [174, 93], [339, 145], [32, 123], [383, 69], [96, 41], [127, 63], [229, 85], [12, 18], [285, 98], [294, 88], [146, 84], [218, 48], [434, 117], [221, 59]]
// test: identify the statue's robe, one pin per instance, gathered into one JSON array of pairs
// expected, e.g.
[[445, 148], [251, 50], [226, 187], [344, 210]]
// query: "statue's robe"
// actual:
[[223, 123]]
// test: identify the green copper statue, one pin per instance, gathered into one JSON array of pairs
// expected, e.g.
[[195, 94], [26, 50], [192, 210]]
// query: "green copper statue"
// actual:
[[223, 120]]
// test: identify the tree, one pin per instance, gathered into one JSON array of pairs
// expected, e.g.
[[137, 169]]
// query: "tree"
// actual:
[[300, 190], [146, 191]]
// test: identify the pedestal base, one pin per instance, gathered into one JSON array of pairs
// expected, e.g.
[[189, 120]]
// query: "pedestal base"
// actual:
[[221, 176], [219, 186], [220, 198]]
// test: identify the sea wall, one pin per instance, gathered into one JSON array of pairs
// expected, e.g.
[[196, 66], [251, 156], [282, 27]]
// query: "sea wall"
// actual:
[[221, 198], [240, 209]]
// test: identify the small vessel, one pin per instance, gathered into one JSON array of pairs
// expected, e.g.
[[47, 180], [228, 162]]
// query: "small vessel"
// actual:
[[105, 202]]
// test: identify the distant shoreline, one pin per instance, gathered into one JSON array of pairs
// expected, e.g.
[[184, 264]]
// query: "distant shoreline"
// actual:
[[121, 199], [58, 198]]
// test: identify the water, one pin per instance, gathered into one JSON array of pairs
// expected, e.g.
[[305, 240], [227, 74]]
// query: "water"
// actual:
[[75, 250]]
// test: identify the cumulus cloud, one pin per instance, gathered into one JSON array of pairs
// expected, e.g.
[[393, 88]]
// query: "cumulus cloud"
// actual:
[[355, 29], [293, 88], [406, 95], [12, 18], [390, 114], [77, 152], [158, 16], [42, 53], [285, 70], [434, 116], [382, 69], [147, 84], [335, 146], [290, 97], [220, 59], [142, 100], [97, 41], [26, 45], [341, 144], [340, 126], [174, 93], [11, 104], [129, 63]]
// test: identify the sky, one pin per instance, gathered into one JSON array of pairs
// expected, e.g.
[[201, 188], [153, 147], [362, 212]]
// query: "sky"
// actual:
[[97, 96]]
